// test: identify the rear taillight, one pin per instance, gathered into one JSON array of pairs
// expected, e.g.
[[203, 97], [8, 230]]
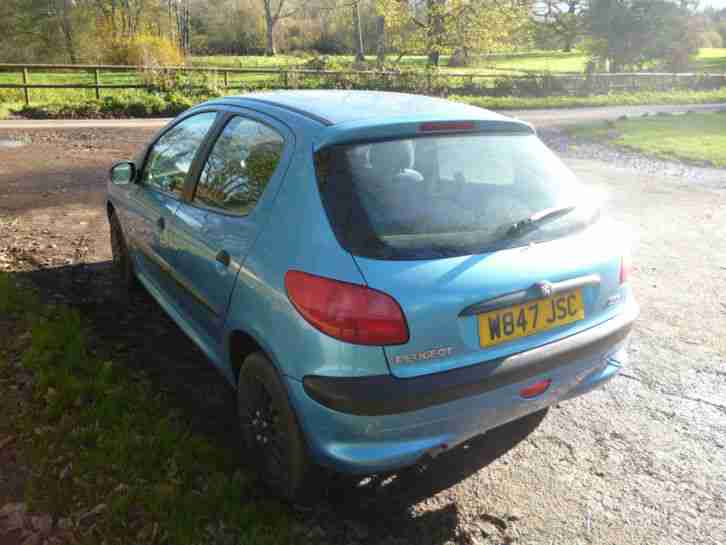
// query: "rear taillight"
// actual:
[[349, 312], [625, 268]]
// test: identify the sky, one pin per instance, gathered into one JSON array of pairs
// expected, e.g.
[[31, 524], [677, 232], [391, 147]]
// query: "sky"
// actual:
[[718, 4]]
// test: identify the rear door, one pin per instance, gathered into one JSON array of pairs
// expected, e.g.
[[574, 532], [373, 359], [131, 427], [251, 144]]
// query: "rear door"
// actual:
[[214, 230], [434, 223], [154, 199]]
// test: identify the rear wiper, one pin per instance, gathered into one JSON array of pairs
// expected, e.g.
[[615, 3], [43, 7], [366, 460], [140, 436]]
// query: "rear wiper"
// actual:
[[523, 227]]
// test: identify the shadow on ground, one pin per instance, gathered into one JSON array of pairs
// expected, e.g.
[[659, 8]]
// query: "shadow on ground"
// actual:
[[140, 335], [48, 187]]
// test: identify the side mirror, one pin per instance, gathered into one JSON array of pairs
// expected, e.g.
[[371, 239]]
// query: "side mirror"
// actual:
[[123, 173]]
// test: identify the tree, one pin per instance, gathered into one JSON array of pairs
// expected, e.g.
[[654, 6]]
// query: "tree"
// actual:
[[635, 32], [273, 14], [441, 26], [565, 18], [358, 33], [231, 27]]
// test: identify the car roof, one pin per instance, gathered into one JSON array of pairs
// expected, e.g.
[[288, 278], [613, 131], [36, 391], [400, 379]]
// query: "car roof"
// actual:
[[333, 107]]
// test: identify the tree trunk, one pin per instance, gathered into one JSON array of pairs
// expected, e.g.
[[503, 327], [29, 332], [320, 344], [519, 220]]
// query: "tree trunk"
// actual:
[[270, 26], [67, 28], [113, 20], [358, 33], [183, 27], [435, 31], [381, 24]]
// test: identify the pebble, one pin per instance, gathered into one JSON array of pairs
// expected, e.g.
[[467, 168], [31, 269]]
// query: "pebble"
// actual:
[[42, 524], [33, 539]]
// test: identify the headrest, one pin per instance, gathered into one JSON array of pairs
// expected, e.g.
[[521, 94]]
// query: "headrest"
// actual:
[[390, 158]]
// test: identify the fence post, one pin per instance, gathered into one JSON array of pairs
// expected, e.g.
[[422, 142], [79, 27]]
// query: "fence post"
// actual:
[[97, 77], [26, 78], [226, 79]]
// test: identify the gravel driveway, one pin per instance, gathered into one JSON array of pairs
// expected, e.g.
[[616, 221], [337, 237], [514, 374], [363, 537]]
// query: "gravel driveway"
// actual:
[[641, 461]]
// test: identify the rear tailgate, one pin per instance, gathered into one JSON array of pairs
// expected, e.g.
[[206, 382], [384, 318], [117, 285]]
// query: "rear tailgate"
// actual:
[[439, 297]]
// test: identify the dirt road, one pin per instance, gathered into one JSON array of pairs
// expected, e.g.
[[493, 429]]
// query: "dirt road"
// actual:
[[641, 461]]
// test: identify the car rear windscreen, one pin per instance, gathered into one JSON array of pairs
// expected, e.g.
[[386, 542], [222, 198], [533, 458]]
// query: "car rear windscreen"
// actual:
[[443, 196]]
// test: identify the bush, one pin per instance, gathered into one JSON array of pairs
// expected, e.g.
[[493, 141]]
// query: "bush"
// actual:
[[146, 105], [711, 38], [459, 58], [301, 53], [145, 50]]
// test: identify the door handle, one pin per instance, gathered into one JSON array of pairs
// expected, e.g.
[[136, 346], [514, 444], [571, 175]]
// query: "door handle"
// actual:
[[161, 223], [223, 258]]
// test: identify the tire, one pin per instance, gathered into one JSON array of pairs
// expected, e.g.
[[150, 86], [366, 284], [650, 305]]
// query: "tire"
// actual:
[[271, 433], [123, 267]]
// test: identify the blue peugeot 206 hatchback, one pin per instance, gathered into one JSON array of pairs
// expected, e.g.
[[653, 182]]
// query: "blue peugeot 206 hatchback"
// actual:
[[380, 276]]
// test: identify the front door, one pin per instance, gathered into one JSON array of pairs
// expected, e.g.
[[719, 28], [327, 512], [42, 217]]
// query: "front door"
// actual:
[[214, 231], [155, 198]]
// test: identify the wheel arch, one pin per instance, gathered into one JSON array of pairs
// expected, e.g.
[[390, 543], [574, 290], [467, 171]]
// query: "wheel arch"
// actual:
[[240, 344]]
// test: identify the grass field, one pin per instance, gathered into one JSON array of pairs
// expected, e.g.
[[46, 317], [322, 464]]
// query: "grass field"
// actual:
[[713, 60], [175, 93], [710, 60], [533, 61], [699, 137], [539, 61]]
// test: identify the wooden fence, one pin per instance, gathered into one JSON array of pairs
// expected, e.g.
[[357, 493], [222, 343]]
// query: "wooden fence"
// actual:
[[497, 82]]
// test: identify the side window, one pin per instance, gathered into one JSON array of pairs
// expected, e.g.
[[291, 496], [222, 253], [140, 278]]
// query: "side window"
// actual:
[[171, 156], [239, 166]]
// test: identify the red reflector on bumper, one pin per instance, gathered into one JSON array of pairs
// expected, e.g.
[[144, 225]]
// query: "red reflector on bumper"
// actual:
[[535, 389]]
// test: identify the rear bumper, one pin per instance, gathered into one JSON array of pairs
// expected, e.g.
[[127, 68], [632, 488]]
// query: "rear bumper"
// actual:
[[385, 394], [373, 424]]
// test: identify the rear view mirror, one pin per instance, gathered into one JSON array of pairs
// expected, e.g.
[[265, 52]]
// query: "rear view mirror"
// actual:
[[123, 173]]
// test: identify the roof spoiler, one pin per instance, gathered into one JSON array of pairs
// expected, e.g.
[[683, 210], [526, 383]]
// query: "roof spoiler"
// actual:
[[396, 129]]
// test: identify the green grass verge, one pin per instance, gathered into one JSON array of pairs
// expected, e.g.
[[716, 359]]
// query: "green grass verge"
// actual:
[[619, 99], [699, 137], [100, 439]]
